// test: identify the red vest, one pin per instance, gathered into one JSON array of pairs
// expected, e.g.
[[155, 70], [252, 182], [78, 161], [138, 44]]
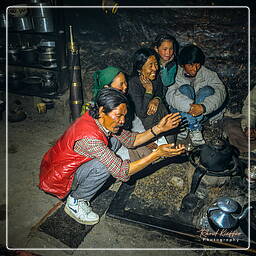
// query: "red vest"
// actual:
[[61, 162]]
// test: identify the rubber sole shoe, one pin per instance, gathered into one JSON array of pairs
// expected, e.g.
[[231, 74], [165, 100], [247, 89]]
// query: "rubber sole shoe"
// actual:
[[182, 135], [196, 138], [81, 218], [80, 210]]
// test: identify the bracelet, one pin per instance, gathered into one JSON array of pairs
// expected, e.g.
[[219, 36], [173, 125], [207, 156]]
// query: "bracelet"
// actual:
[[157, 98], [151, 129]]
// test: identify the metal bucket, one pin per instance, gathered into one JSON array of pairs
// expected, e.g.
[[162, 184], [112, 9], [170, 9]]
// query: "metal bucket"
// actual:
[[43, 25], [41, 11], [22, 23]]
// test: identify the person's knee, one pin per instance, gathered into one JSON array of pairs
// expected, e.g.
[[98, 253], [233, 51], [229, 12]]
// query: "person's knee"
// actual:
[[208, 90], [101, 173], [187, 90], [88, 168]]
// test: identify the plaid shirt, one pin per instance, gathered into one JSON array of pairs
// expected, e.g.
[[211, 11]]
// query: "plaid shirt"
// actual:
[[94, 148]]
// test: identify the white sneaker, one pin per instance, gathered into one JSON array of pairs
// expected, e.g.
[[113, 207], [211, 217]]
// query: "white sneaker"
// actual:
[[81, 211], [182, 135], [196, 137]]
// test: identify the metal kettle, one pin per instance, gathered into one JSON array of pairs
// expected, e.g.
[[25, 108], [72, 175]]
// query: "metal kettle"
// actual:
[[226, 214], [217, 155]]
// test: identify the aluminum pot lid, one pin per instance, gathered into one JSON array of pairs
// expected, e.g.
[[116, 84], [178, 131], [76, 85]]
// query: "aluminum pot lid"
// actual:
[[27, 49], [47, 50], [46, 59], [227, 205], [46, 43]]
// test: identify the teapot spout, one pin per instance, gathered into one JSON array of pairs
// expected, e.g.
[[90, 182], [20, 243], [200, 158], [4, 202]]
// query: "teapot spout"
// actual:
[[244, 213]]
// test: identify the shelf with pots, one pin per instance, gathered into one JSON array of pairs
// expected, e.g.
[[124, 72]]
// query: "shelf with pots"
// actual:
[[43, 55], [30, 82], [37, 44]]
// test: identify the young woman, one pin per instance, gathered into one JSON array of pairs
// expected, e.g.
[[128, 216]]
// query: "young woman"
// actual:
[[167, 49]]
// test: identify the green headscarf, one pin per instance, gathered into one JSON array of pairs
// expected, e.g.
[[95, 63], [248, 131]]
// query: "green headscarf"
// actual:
[[103, 77]]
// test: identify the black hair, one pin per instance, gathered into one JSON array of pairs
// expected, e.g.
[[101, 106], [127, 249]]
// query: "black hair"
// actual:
[[167, 37], [191, 54], [140, 57], [109, 99]]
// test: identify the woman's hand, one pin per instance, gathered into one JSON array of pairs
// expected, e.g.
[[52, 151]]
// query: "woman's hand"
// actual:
[[146, 83], [169, 150], [196, 110], [166, 150], [167, 123], [153, 106]]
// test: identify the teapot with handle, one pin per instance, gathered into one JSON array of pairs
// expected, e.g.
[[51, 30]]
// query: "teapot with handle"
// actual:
[[226, 214], [218, 155]]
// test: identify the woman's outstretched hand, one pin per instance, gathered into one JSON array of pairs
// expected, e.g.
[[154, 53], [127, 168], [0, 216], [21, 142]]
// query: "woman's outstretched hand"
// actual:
[[167, 123], [169, 150]]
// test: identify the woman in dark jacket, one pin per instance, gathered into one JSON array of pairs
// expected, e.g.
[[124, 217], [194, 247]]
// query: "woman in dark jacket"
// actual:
[[146, 89]]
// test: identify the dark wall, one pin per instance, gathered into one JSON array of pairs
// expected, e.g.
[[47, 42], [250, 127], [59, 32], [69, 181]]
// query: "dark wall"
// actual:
[[222, 33]]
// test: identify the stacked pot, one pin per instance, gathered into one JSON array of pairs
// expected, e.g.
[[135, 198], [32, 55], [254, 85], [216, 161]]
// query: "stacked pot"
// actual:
[[19, 19], [42, 17], [47, 54]]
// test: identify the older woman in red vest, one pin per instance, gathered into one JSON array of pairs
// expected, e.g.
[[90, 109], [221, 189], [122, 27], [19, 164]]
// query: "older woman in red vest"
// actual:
[[84, 156]]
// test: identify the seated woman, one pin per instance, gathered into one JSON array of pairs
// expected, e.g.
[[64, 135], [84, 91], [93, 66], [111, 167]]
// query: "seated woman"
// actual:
[[167, 48], [197, 93], [115, 78], [239, 129], [109, 77], [146, 91]]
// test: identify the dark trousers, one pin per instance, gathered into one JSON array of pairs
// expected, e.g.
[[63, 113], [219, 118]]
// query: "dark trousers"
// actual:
[[236, 136]]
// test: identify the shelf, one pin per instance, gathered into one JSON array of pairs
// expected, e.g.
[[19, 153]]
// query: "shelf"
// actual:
[[33, 38], [38, 67], [31, 32], [32, 90]]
